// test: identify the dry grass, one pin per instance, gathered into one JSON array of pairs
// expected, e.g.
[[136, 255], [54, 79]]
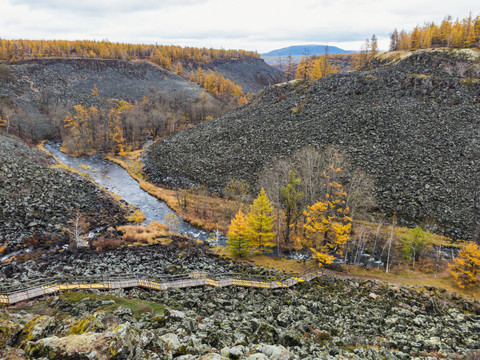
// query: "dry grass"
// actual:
[[153, 233], [408, 276], [400, 232], [282, 264], [59, 165], [136, 217]]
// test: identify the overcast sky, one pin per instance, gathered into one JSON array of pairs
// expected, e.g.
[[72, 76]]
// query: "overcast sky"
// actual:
[[261, 25]]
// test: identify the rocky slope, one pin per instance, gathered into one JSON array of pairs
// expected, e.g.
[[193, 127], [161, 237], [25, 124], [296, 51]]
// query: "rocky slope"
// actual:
[[251, 74], [330, 318], [37, 85], [411, 122], [37, 200]]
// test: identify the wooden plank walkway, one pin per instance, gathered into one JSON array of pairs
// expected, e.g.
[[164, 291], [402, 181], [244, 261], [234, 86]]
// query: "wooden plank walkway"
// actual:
[[8, 297]]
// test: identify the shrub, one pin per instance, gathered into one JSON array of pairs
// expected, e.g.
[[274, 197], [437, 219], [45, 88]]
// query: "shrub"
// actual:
[[103, 243]]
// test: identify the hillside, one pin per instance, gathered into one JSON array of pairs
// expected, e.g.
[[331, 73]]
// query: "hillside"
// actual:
[[41, 91], [410, 122], [251, 74], [37, 200]]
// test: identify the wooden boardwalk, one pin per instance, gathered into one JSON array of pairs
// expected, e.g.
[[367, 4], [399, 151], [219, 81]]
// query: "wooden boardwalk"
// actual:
[[40, 288]]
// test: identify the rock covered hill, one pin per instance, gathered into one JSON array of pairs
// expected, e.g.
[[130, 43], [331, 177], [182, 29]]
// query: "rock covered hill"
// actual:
[[329, 318], [251, 74], [37, 200], [40, 84], [411, 121]]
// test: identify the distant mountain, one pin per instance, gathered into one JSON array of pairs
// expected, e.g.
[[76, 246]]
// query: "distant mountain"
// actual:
[[307, 49]]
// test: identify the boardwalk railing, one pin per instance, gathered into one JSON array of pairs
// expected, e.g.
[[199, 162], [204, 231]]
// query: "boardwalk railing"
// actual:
[[36, 288]]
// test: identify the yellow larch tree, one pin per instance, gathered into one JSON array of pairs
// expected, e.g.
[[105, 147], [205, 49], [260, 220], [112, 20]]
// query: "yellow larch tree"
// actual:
[[260, 221], [237, 236], [466, 266], [327, 225]]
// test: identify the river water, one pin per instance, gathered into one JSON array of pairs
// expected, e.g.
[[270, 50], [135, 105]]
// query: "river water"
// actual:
[[117, 180]]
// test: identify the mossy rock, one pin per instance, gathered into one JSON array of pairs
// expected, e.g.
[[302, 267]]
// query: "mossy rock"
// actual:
[[88, 324], [8, 329], [36, 328]]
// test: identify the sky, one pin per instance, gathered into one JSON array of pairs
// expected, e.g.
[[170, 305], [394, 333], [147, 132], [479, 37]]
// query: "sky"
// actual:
[[260, 25]]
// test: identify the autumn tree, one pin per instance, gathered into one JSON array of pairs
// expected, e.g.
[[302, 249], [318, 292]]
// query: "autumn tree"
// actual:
[[415, 244], [466, 266], [291, 200], [327, 225], [238, 191], [260, 224], [237, 236], [78, 229], [291, 68], [394, 40]]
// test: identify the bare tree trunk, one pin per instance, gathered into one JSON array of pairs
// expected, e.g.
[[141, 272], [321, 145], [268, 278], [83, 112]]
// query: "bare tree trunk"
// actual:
[[376, 238], [390, 246], [439, 252]]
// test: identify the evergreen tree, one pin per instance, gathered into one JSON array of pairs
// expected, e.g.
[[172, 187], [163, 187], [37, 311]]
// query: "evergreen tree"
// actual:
[[291, 198], [260, 224], [237, 235]]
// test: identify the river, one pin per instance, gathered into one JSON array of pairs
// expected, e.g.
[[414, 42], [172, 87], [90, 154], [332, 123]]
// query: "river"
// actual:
[[117, 180]]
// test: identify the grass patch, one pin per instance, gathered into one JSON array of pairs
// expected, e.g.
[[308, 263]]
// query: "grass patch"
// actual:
[[137, 306], [282, 264], [153, 233], [407, 276], [84, 167]]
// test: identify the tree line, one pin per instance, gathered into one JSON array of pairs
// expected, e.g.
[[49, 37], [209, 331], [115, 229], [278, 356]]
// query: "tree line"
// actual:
[[218, 86], [163, 55], [124, 126], [305, 202], [458, 33]]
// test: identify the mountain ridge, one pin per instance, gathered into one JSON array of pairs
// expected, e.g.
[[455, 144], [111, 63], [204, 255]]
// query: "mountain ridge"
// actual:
[[306, 50]]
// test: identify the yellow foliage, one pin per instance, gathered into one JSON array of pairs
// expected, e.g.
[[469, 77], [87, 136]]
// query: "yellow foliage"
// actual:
[[466, 266], [458, 34], [237, 235], [327, 226], [137, 217], [164, 55], [260, 224]]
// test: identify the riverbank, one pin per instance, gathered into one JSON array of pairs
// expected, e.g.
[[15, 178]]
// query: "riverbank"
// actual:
[[207, 212], [219, 213]]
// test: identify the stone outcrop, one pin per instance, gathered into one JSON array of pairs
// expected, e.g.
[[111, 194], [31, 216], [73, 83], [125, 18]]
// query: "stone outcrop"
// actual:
[[36, 200], [410, 120]]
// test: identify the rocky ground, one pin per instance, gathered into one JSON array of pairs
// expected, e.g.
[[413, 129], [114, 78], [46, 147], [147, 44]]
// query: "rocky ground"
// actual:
[[411, 122], [177, 258], [38, 202], [329, 318]]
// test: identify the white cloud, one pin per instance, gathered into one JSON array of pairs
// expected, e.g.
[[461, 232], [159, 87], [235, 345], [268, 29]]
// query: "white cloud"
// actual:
[[249, 24]]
